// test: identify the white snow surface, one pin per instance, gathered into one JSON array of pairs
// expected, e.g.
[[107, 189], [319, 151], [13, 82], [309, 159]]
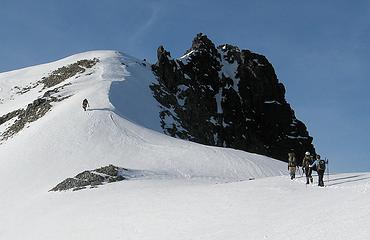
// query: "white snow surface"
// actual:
[[177, 189]]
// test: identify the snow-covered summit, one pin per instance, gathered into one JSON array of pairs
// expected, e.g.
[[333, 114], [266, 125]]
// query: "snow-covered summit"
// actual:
[[176, 189], [121, 126]]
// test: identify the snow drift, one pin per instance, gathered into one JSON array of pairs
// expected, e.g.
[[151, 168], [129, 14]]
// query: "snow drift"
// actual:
[[176, 189], [121, 127]]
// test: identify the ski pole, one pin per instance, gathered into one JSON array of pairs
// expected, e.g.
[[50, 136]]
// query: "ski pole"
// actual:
[[327, 172]]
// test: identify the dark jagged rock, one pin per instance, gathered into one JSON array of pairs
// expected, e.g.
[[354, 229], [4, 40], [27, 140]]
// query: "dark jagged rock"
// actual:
[[109, 170], [10, 115], [224, 96], [34, 111], [91, 178], [70, 183]]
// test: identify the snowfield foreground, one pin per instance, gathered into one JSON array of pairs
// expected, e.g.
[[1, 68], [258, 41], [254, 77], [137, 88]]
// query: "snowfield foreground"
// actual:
[[269, 208], [182, 190]]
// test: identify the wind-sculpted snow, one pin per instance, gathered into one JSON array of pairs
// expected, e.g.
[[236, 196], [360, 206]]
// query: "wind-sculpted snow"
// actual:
[[119, 129], [108, 174]]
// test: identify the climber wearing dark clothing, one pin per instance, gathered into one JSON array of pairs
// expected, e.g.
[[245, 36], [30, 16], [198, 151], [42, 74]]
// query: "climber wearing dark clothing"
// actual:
[[292, 165], [85, 104], [320, 168], [306, 165]]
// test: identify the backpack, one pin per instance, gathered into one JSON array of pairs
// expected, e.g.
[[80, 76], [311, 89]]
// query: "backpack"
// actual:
[[84, 102], [321, 165], [306, 162], [291, 161]]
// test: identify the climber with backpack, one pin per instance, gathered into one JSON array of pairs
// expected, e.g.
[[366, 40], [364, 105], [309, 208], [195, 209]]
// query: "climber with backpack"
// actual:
[[85, 104], [292, 164], [306, 165], [320, 168]]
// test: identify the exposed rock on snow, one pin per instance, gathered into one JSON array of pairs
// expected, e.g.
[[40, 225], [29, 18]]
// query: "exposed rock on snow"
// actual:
[[39, 107], [67, 140], [35, 110], [91, 178], [66, 72], [59, 75], [10, 115]]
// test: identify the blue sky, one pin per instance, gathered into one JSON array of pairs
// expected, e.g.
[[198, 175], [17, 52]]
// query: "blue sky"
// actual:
[[319, 49]]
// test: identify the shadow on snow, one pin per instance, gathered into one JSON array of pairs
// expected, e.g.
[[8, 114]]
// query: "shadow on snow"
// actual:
[[349, 179]]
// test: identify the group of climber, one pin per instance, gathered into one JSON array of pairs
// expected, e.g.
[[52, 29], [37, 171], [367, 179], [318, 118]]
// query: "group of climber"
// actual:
[[309, 163]]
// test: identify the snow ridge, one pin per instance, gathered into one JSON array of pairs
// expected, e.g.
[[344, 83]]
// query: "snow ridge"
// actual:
[[179, 190]]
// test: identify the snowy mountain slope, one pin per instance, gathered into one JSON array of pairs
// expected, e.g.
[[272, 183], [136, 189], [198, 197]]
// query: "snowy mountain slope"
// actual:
[[269, 208], [182, 190], [67, 140]]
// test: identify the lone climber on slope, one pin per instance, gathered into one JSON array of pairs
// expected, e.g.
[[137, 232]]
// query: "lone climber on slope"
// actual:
[[85, 104]]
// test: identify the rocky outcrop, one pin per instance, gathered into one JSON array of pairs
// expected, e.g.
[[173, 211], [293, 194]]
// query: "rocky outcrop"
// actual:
[[59, 75], [35, 110], [9, 116], [39, 107], [66, 72], [224, 96], [91, 178]]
